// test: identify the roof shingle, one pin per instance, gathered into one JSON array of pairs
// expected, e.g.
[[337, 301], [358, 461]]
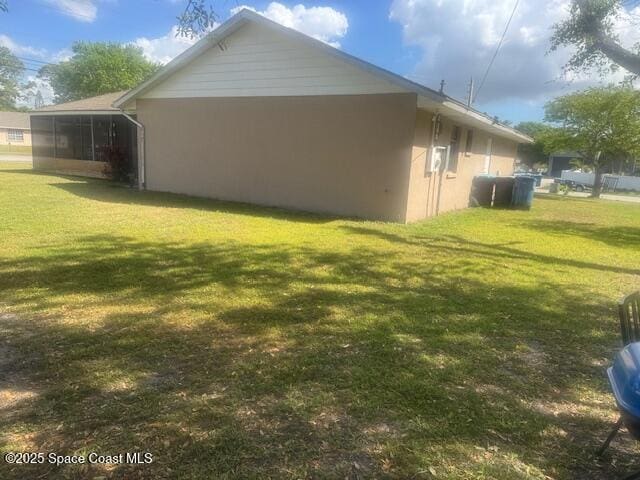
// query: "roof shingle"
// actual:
[[18, 120], [99, 103]]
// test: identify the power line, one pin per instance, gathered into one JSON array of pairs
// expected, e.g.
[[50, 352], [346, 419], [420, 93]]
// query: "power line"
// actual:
[[31, 60], [21, 68], [504, 34]]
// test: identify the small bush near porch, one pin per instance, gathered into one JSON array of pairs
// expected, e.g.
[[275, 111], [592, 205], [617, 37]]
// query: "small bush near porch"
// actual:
[[241, 342]]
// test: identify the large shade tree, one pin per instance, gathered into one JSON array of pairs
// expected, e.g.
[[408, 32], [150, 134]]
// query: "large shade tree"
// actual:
[[601, 124], [532, 154], [590, 30], [11, 69], [97, 68]]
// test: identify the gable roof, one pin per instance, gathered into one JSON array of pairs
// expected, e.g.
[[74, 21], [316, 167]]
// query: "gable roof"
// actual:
[[98, 104], [17, 120], [427, 97]]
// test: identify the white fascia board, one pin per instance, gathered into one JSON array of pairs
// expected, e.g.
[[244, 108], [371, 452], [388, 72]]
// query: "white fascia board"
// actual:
[[74, 112]]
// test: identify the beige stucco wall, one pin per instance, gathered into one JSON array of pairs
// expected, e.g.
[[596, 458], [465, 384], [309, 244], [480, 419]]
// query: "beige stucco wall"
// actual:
[[86, 168], [455, 187], [4, 138], [342, 154]]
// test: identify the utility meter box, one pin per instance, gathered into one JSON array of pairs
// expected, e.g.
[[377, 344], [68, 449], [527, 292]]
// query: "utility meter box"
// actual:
[[439, 159]]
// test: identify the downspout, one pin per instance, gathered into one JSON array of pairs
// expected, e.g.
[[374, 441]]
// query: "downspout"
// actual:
[[141, 163]]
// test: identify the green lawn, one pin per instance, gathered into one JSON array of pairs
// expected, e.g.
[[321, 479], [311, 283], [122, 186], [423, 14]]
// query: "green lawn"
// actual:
[[240, 342], [15, 149]]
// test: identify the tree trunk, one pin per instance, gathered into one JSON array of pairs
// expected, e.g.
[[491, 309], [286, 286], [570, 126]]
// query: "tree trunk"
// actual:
[[618, 54], [597, 183]]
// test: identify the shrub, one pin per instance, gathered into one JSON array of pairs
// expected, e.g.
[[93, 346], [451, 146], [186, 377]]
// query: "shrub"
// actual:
[[118, 166]]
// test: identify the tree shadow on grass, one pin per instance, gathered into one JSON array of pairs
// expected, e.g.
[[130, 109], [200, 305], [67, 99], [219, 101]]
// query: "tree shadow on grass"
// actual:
[[618, 236], [237, 361], [507, 251], [103, 190], [106, 191]]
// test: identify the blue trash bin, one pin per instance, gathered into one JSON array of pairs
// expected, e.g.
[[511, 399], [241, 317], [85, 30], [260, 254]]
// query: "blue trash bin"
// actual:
[[523, 189], [538, 178]]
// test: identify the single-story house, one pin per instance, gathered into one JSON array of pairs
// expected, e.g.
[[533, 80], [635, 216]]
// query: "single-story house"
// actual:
[[15, 129], [257, 112], [71, 137]]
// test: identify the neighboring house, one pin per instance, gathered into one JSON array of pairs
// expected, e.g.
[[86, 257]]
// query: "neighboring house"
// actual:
[[71, 137], [259, 113], [560, 161], [15, 129]]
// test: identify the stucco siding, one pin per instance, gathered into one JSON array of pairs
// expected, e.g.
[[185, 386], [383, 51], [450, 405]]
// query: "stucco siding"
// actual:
[[258, 61], [435, 193], [346, 155]]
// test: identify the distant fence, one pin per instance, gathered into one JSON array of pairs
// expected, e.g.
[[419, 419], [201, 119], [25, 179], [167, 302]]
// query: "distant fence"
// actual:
[[616, 182]]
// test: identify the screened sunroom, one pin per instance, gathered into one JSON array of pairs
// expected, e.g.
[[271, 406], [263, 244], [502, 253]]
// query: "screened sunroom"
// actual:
[[75, 137]]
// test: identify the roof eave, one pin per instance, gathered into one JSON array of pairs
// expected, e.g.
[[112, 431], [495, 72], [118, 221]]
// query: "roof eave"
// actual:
[[43, 113], [432, 97], [235, 22], [505, 130]]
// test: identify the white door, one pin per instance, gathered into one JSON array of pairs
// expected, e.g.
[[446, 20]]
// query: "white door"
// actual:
[[487, 156]]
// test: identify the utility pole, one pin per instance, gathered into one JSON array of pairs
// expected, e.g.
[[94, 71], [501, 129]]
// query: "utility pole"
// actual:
[[38, 101], [442, 86], [470, 98]]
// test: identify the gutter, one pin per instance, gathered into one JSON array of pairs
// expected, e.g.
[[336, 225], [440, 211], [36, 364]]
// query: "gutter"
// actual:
[[141, 152]]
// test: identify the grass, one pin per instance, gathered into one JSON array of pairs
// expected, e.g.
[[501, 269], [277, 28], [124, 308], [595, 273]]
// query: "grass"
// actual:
[[15, 149], [233, 341]]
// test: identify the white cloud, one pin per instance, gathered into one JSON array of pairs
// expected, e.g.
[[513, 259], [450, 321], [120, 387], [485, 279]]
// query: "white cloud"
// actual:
[[458, 38], [163, 49], [61, 55], [81, 10], [22, 50], [321, 23]]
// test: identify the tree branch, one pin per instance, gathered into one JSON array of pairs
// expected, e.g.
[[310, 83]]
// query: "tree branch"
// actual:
[[618, 54], [602, 39]]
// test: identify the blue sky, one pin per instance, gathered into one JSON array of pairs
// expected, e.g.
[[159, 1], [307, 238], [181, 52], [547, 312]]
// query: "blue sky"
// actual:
[[424, 40]]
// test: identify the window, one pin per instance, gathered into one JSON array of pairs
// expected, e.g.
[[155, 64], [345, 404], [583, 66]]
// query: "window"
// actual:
[[455, 149], [468, 148], [16, 135]]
